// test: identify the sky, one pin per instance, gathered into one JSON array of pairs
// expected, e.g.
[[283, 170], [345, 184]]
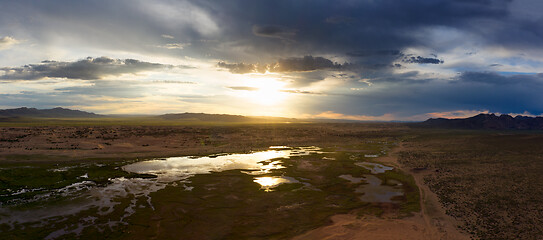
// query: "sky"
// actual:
[[376, 60]]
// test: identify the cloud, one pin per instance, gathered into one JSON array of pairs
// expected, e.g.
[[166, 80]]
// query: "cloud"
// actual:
[[387, 45], [51, 100], [286, 65], [389, 56], [7, 42], [422, 60], [273, 31], [470, 91], [335, 115], [174, 45], [297, 91], [86, 69], [173, 82], [493, 78], [305, 64], [244, 88], [371, 53], [106, 88], [454, 114], [339, 19], [239, 68]]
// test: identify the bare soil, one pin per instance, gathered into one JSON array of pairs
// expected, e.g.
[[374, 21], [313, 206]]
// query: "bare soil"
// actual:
[[430, 223], [80, 142], [486, 183]]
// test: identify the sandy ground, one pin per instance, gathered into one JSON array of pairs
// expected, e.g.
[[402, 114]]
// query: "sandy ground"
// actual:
[[347, 226], [430, 223]]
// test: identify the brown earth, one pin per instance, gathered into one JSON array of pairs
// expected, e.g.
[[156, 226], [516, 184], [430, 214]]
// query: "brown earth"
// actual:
[[490, 182], [430, 223], [107, 142], [111, 142]]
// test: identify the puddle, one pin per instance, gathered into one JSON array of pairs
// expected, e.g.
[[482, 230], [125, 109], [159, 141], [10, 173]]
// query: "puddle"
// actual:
[[280, 147], [373, 191], [178, 168], [375, 168], [268, 183], [351, 179]]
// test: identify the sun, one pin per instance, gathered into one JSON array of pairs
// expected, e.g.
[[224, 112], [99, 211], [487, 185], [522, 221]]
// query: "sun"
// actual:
[[267, 92]]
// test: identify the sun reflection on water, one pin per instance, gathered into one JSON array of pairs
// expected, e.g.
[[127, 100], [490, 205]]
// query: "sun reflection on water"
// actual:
[[268, 183]]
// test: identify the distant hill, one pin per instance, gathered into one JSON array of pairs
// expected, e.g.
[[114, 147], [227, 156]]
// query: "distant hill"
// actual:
[[46, 113], [205, 117], [33, 114], [487, 121]]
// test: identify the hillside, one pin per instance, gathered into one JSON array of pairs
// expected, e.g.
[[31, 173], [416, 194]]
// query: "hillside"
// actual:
[[45, 113], [205, 117], [487, 121]]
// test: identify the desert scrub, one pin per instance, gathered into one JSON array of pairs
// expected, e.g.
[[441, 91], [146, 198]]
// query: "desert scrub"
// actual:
[[490, 181]]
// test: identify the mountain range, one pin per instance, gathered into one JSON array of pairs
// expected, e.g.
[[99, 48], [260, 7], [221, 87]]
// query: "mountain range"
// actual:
[[487, 121], [481, 121], [24, 112], [46, 113]]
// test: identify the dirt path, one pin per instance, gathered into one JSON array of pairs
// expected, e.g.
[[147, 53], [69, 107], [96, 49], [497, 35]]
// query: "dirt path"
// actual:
[[430, 223]]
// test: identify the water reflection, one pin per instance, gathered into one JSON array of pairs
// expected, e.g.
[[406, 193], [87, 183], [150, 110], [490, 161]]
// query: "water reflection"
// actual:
[[351, 179], [268, 183], [169, 171], [374, 191], [256, 163], [375, 168], [175, 171]]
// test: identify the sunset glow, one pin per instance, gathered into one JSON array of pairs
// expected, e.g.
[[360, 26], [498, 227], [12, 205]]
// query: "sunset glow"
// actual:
[[363, 60]]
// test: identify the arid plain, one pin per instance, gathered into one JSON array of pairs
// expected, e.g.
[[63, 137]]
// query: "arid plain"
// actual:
[[456, 184]]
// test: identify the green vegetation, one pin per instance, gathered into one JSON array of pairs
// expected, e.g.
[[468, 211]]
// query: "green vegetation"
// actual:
[[488, 180], [41, 178], [239, 209], [221, 205]]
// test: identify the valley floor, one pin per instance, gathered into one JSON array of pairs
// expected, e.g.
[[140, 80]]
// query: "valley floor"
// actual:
[[483, 184]]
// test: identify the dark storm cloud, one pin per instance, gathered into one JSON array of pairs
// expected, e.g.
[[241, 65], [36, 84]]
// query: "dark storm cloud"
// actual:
[[492, 78], [307, 63], [244, 30], [422, 60], [387, 56], [316, 27], [339, 27], [286, 65], [371, 53], [373, 36], [469, 91], [273, 31], [86, 69]]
